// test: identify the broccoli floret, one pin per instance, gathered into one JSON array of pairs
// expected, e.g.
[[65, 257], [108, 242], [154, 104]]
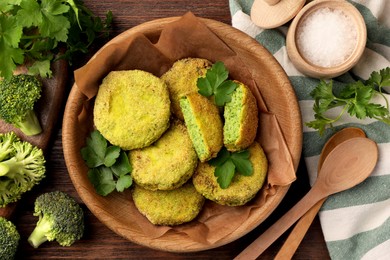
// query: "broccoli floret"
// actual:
[[21, 167], [60, 218], [17, 98], [9, 239], [6, 144]]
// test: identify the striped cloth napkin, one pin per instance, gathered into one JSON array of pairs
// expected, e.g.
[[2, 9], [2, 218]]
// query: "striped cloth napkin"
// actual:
[[355, 223]]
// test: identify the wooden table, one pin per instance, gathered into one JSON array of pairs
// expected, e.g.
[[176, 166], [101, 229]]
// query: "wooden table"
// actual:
[[101, 243]]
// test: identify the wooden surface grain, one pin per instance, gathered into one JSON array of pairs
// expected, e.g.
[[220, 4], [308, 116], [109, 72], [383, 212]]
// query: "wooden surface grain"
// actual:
[[101, 243]]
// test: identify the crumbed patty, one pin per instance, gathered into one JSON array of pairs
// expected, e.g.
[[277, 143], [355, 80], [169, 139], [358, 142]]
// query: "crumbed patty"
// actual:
[[204, 125], [166, 164], [241, 119], [132, 108], [171, 207], [182, 79], [242, 188]]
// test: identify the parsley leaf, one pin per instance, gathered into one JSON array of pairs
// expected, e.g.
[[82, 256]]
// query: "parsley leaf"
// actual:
[[227, 164], [221, 158], [380, 79], [11, 32], [242, 162], [225, 173], [122, 165], [216, 83], [205, 88], [95, 151], [36, 30], [9, 58], [123, 183], [109, 165], [54, 24], [6, 6], [75, 10], [112, 153], [102, 180], [355, 99], [10, 35], [30, 13], [41, 68]]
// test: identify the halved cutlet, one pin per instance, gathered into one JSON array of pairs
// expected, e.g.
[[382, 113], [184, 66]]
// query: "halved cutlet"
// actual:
[[204, 125], [241, 119]]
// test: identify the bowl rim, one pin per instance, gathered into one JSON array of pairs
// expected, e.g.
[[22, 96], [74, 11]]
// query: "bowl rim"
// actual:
[[294, 141], [268, 16], [313, 70]]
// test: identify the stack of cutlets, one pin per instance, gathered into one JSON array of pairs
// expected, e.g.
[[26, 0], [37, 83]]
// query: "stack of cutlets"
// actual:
[[171, 132]]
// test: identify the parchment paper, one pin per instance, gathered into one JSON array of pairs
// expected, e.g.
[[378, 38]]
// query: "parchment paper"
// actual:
[[190, 37]]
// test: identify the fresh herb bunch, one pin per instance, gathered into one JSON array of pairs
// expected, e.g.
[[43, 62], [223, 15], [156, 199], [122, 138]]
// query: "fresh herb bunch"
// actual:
[[109, 166], [216, 84], [355, 98], [227, 164], [33, 32]]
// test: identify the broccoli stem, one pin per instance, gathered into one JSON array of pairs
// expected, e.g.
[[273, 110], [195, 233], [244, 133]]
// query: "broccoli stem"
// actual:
[[3, 154], [10, 167], [6, 146], [4, 169], [30, 125], [38, 236]]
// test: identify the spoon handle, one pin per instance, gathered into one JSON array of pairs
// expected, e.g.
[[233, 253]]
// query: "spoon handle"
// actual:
[[298, 233], [258, 246]]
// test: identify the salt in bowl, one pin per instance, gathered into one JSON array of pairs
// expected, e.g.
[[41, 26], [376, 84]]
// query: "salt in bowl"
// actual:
[[326, 38]]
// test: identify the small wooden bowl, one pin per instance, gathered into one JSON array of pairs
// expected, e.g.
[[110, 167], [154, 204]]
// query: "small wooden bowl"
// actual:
[[117, 211], [313, 70]]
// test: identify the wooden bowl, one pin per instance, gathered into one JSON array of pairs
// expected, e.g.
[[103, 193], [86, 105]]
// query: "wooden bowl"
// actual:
[[315, 70], [114, 210]]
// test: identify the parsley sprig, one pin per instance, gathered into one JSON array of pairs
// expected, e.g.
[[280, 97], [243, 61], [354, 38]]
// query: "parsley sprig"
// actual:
[[227, 164], [109, 166], [216, 84], [33, 31], [355, 99]]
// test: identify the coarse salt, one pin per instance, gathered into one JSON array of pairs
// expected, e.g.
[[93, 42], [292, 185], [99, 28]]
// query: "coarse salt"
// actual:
[[326, 37]]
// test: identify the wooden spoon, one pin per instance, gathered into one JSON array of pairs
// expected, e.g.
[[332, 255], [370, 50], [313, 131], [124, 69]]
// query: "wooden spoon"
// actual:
[[269, 14], [347, 165], [297, 234], [272, 2]]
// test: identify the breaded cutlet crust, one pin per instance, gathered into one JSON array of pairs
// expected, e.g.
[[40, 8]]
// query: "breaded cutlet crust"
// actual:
[[166, 164], [132, 108], [171, 207]]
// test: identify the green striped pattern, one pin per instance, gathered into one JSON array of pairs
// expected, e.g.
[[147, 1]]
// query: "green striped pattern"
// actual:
[[355, 223]]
